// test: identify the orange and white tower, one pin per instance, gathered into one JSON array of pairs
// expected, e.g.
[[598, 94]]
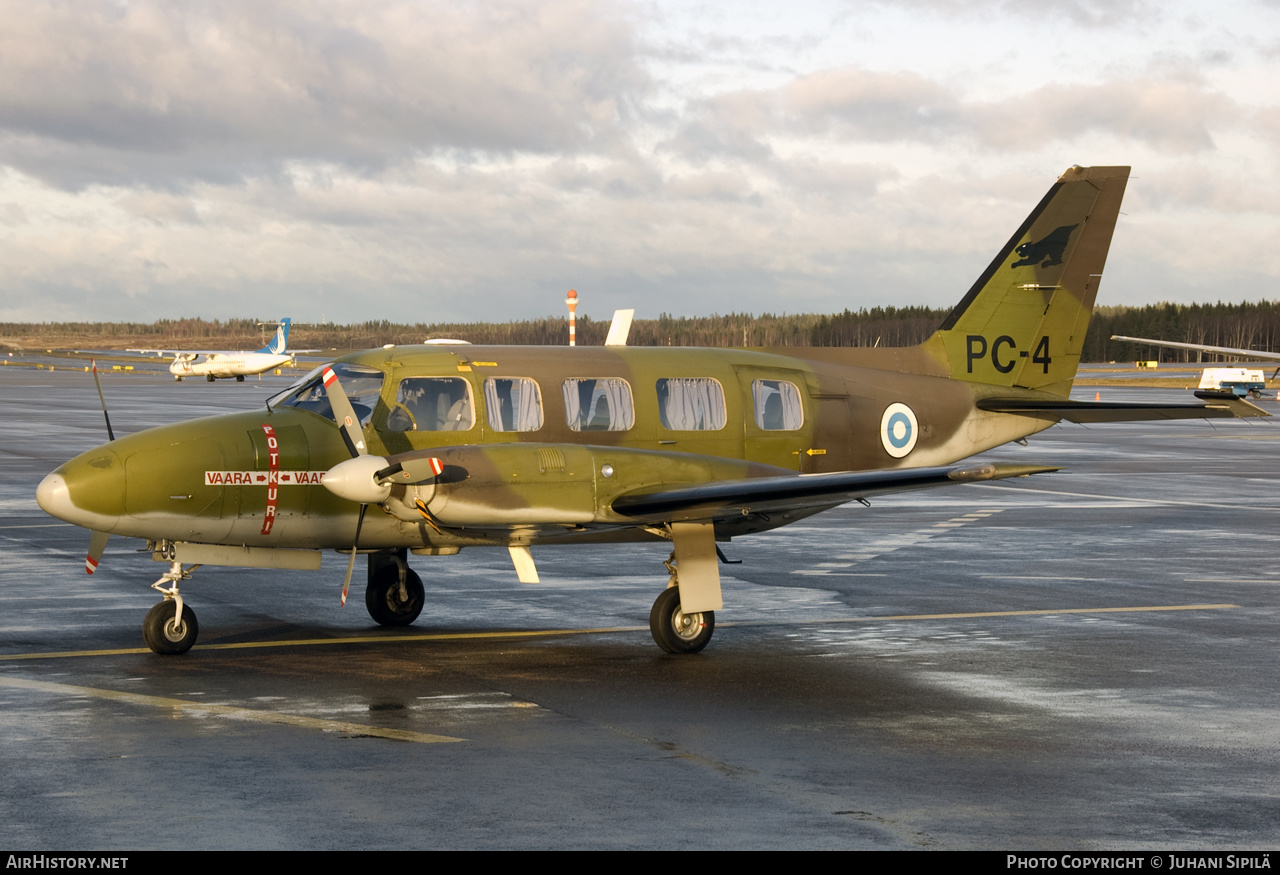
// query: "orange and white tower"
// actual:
[[571, 300]]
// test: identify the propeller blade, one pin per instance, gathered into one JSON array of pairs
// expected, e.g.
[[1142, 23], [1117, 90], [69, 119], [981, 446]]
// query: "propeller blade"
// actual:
[[351, 563], [344, 414], [410, 471], [97, 543], [97, 382]]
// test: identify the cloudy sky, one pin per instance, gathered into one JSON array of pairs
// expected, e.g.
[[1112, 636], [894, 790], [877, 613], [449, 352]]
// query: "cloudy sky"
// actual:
[[423, 161]]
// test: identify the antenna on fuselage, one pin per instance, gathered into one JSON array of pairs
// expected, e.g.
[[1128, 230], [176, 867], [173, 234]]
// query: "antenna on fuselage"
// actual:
[[619, 328]]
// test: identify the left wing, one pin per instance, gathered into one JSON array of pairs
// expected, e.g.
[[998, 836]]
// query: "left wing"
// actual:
[[1255, 355], [803, 492]]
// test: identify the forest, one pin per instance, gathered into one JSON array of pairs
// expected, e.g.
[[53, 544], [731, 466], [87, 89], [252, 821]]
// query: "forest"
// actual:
[[1243, 325]]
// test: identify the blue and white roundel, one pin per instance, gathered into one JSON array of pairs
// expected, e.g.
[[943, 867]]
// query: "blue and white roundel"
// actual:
[[898, 430]]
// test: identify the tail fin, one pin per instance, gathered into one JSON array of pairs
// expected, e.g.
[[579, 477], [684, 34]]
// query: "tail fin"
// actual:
[[1023, 322], [279, 344]]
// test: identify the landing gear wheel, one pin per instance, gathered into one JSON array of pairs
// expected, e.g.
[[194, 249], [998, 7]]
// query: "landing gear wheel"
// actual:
[[164, 634], [209, 377], [676, 631], [239, 378], [382, 597]]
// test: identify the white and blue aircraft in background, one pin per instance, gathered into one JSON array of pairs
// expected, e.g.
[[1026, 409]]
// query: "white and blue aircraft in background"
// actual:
[[215, 364]]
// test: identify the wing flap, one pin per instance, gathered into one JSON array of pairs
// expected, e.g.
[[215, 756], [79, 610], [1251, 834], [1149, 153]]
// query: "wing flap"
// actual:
[[801, 491]]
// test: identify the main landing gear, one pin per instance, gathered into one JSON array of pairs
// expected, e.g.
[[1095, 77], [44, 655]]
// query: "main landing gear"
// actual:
[[672, 629], [394, 594], [170, 628]]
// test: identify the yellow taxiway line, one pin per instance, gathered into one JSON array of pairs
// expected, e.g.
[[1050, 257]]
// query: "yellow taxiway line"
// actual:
[[548, 633]]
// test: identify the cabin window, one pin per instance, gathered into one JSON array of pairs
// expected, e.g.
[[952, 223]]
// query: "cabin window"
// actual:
[[602, 404], [778, 406], [691, 404], [513, 404], [432, 404], [361, 384]]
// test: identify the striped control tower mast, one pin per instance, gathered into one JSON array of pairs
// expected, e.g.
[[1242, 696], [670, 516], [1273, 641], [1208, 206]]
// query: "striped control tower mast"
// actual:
[[571, 300]]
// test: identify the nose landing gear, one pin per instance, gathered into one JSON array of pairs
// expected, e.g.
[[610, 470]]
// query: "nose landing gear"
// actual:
[[170, 627], [165, 633]]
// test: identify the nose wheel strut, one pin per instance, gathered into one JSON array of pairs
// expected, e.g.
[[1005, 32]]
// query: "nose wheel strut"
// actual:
[[170, 627]]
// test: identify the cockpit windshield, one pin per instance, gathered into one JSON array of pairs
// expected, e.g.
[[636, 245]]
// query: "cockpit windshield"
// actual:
[[362, 385]]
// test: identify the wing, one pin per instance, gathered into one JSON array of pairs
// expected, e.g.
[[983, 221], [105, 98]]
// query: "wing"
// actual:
[[800, 492], [177, 352], [1222, 405], [1256, 355]]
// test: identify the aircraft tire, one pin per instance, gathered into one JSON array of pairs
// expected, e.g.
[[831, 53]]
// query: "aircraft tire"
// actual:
[[382, 597], [159, 632], [239, 378], [209, 377], [675, 632]]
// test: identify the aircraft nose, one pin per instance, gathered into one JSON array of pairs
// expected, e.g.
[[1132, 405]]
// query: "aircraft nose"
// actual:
[[87, 491], [53, 496]]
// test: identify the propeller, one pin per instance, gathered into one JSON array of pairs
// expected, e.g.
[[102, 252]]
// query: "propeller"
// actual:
[[98, 540], [365, 478]]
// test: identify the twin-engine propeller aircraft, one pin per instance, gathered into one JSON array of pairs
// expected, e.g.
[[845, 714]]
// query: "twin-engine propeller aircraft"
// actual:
[[224, 364], [469, 446]]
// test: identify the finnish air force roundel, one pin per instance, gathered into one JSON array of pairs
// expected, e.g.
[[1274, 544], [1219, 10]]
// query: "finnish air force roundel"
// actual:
[[898, 430]]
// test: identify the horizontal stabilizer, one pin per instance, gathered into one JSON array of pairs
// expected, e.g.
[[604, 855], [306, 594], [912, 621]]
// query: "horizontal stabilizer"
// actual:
[[1221, 407], [802, 491]]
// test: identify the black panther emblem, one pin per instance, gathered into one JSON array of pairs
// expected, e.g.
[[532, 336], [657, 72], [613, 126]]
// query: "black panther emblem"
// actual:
[[1047, 251]]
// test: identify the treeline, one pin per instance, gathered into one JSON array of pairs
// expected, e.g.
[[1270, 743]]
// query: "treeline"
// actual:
[[877, 326], [1244, 325]]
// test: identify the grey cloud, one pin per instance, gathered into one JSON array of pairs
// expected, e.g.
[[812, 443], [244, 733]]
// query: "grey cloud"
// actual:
[[156, 92], [1169, 114], [1085, 13], [864, 105]]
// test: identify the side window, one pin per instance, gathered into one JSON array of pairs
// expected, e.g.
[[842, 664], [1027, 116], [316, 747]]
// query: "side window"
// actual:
[[513, 403], [778, 406], [691, 404], [432, 404], [602, 404]]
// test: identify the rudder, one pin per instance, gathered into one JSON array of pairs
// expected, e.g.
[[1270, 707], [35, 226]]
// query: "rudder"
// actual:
[[1023, 322], [279, 344]]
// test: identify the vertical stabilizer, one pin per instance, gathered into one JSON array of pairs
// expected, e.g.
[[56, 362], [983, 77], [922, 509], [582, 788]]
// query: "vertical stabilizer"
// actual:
[[279, 344], [1023, 323]]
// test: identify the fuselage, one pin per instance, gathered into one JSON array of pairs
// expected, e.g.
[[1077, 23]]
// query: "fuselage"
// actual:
[[545, 438], [237, 364]]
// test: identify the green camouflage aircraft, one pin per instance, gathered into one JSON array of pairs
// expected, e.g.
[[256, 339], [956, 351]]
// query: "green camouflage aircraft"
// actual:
[[467, 446]]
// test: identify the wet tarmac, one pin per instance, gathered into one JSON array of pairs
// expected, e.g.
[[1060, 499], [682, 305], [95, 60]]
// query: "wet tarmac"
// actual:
[[1083, 660]]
